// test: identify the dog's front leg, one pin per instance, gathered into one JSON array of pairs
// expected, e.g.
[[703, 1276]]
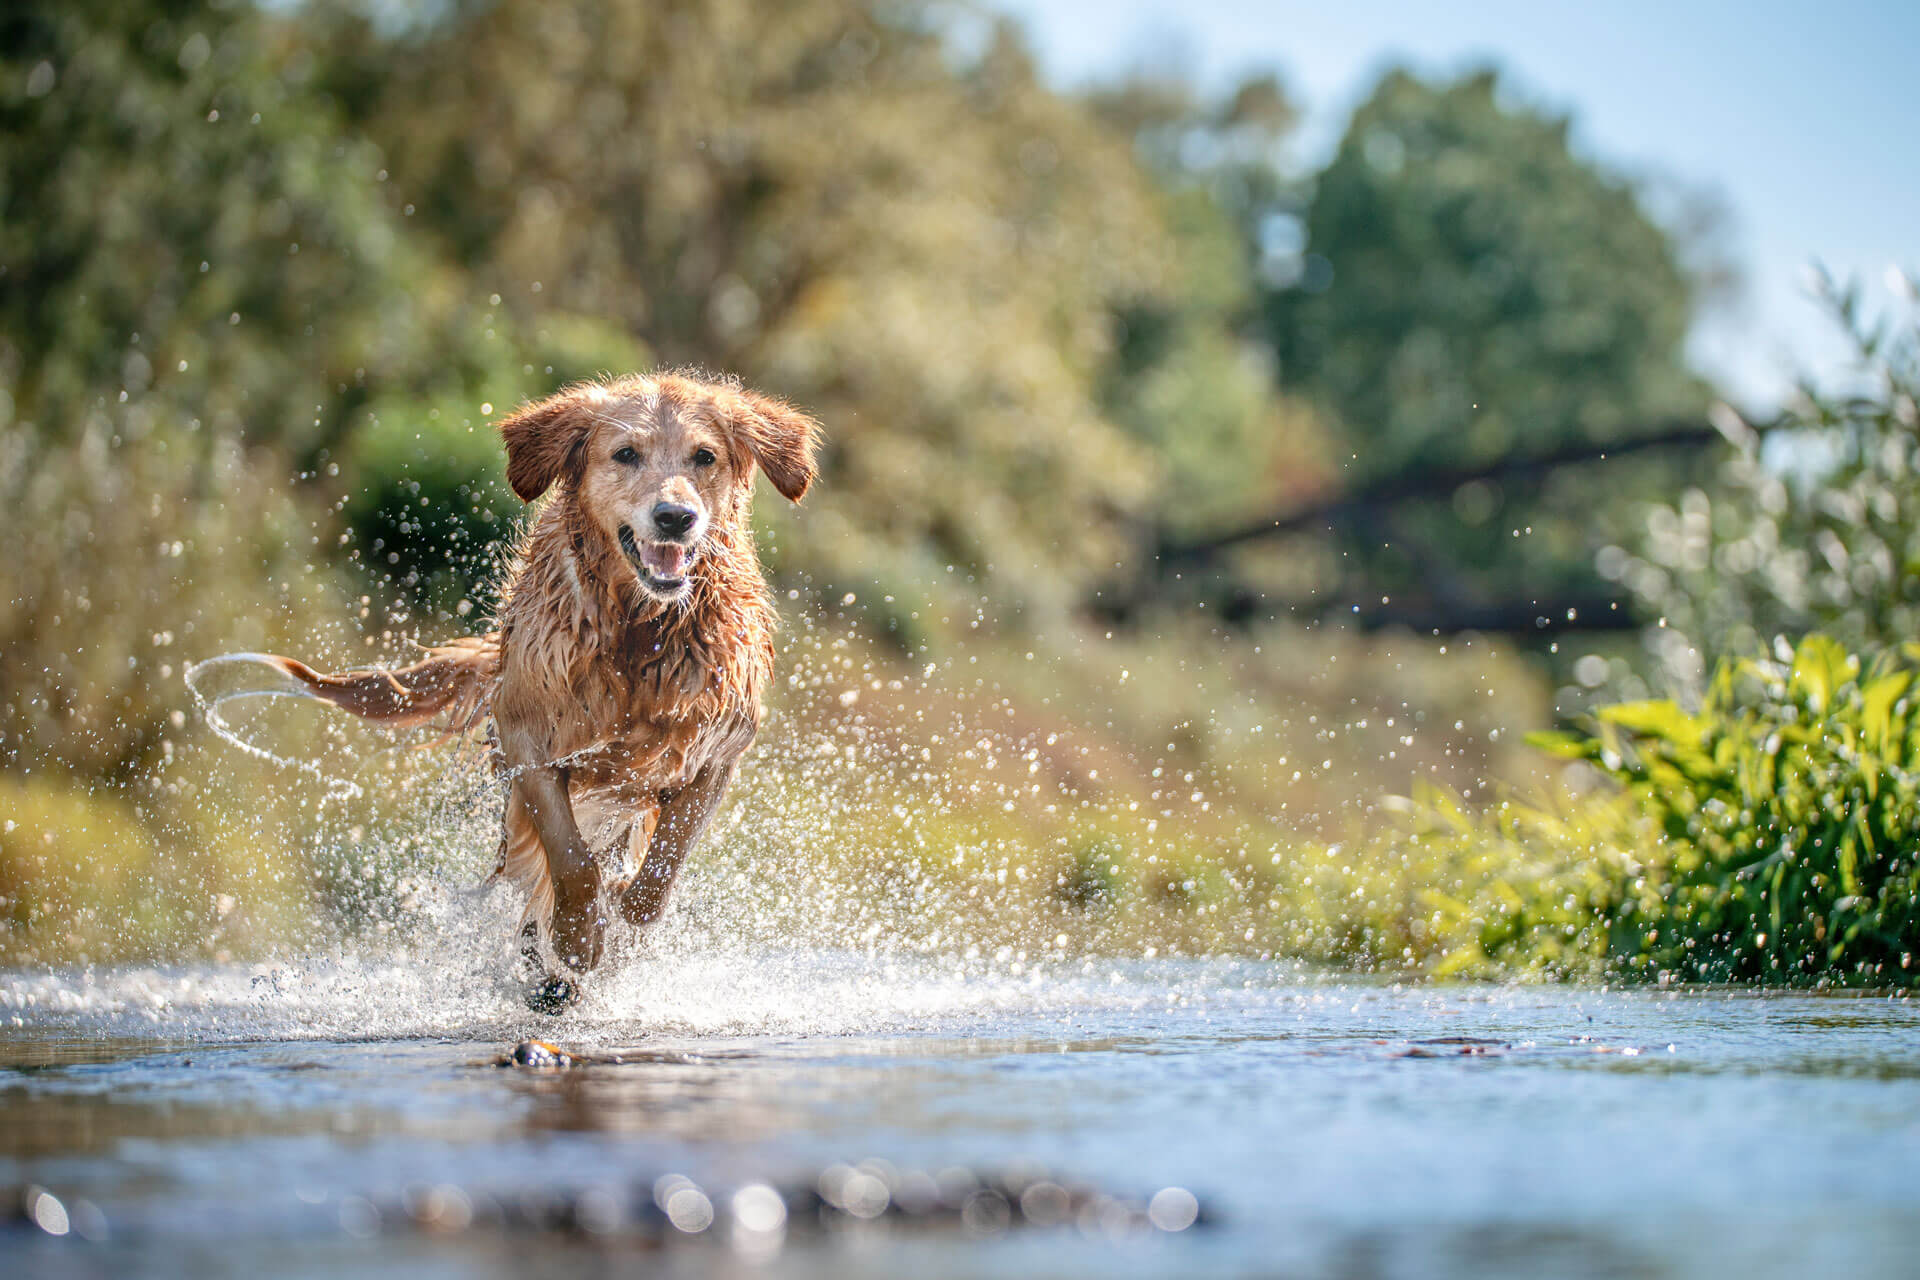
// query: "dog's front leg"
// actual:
[[682, 820], [576, 924]]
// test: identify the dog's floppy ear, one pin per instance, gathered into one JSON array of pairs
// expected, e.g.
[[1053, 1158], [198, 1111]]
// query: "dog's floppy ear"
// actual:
[[541, 441], [781, 439]]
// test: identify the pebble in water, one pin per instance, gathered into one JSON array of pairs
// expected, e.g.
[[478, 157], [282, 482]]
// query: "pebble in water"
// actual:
[[45, 1211], [538, 1054], [42, 1211]]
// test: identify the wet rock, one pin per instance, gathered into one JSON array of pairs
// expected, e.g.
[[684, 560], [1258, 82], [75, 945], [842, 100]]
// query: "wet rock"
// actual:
[[1454, 1046], [538, 1054]]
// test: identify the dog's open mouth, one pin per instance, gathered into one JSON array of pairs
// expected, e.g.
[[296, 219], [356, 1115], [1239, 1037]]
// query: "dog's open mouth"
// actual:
[[663, 566]]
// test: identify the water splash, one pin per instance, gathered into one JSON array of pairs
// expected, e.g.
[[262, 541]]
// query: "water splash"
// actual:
[[906, 840], [454, 983]]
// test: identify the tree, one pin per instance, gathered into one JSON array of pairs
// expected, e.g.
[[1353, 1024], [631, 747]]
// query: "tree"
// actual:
[[185, 223], [1189, 375], [1468, 288], [199, 274]]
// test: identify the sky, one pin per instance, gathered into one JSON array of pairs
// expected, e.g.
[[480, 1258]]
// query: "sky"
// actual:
[[1802, 118]]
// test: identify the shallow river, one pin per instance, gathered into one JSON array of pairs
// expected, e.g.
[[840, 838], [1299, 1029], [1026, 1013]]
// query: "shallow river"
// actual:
[[262, 1120]]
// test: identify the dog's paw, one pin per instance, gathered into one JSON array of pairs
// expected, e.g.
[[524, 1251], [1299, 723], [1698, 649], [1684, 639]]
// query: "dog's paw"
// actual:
[[553, 995]]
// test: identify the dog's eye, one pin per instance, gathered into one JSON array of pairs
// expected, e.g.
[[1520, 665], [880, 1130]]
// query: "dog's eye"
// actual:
[[625, 455], [703, 457]]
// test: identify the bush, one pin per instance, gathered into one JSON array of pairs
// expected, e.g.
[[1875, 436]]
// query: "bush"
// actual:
[[1790, 807]]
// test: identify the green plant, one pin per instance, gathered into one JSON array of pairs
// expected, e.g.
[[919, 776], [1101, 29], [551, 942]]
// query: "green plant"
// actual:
[[1790, 807]]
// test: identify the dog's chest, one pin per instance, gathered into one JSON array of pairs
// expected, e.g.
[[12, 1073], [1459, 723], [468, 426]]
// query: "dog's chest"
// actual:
[[637, 706], [665, 755], [656, 724]]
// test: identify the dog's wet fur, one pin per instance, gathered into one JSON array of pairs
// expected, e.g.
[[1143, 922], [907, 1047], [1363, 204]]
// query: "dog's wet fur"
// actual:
[[635, 637]]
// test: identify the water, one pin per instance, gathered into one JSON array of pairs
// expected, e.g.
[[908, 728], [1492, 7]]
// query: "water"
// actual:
[[239, 1121]]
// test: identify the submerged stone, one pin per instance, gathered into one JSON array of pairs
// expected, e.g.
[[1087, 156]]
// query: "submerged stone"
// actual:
[[538, 1054]]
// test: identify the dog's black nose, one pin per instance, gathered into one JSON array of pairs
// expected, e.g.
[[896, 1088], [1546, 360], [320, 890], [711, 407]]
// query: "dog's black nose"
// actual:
[[674, 519]]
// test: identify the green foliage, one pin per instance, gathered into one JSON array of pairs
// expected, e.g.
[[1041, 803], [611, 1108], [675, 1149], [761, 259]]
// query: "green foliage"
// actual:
[[1473, 286], [429, 506], [184, 221], [1768, 837], [1820, 529], [1186, 375], [1462, 286], [1790, 811], [1519, 889]]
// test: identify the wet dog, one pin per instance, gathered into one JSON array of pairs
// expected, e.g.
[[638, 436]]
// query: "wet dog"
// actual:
[[635, 637]]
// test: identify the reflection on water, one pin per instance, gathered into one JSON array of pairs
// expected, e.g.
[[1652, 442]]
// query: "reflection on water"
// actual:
[[1341, 1129]]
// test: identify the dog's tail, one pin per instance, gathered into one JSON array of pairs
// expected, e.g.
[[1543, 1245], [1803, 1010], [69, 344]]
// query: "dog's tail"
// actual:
[[449, 689]]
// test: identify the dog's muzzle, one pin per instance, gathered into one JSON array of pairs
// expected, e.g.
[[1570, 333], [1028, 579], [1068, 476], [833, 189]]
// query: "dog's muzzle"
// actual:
[[663, 566]]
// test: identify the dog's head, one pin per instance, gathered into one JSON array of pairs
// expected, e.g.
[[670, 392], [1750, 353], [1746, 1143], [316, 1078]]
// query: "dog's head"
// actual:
[[656, 464]]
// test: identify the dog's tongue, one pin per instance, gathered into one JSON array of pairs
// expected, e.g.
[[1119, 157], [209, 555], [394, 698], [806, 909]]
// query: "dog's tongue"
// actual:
[[664, 559]]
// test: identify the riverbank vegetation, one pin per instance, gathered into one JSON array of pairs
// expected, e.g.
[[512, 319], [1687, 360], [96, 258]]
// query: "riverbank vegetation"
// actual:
[[1199, 539]]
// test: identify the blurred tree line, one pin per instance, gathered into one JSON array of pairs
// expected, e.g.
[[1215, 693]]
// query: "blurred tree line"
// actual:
[[1466, 308], [1041, 327]]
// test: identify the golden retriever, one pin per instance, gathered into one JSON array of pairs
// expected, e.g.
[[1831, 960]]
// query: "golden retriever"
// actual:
[[635, 638]]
